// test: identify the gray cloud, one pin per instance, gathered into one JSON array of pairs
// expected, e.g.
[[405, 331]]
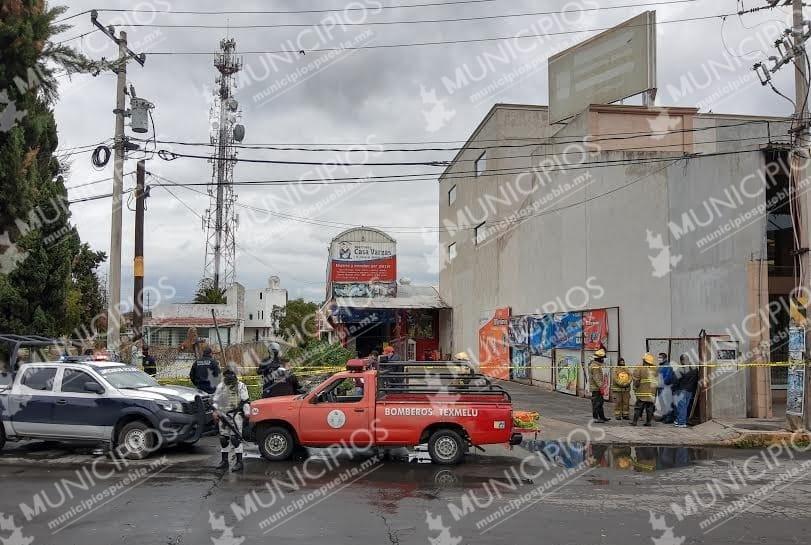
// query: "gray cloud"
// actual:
[[365, 96]]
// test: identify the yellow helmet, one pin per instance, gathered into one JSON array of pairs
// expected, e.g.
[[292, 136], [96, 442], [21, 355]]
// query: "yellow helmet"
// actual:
[[599, 353], [461, 356], [648, 358]]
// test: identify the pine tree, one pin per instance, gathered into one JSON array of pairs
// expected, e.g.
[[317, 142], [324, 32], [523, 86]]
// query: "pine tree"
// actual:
[[44, 267]]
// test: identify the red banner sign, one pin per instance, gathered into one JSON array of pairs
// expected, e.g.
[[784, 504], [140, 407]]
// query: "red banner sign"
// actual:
[[373, 270], [595, 329], [494, 345]]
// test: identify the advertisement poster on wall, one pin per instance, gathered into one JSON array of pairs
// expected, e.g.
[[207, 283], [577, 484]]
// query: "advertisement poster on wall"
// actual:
[[518, 331], [567, 365], [541, 330], [796, 339], [360, 289], [595, 329], [795, 391], [363, 262], [520, 363], [568, 330], [494, 346]]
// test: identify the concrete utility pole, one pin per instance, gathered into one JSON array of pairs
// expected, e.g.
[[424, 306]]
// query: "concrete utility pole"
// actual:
[[799, 159], [114, 300], [138, 260], [116, 215]]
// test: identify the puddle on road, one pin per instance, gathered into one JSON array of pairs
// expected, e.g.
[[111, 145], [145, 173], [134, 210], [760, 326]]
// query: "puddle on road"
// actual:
[[622, 458]]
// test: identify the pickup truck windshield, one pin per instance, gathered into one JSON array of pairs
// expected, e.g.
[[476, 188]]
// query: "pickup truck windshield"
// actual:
[[129, 378]]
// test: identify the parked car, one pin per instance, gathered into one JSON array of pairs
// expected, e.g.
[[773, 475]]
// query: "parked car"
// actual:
[[402, 405], [101, 402]]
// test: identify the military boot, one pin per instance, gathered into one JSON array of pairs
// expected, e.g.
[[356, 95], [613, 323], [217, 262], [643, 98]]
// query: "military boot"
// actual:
[[224, 463], [239, 465]]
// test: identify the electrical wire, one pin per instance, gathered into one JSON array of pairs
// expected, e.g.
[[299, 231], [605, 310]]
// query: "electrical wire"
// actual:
[[275, 12], [453, 175], [406, 21], [97, 197], [583, 142], [670, 161], [537, 140], [441, 42], [170, 156]]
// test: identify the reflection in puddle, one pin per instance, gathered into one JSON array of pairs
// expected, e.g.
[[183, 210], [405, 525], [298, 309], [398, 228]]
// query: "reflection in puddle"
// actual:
[[623, 458]]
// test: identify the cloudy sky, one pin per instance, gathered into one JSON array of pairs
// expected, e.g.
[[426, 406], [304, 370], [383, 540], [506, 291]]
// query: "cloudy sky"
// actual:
[[374, 97]]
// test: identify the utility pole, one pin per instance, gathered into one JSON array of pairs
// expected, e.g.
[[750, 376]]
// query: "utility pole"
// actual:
[[138, 260], [799, 159], [116, 215]]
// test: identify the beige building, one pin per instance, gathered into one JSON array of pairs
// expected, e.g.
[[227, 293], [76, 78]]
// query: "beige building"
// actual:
[[605, 211]]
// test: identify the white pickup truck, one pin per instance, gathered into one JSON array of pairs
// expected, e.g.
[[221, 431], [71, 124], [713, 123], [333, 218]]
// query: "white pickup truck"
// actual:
[[106, 403]]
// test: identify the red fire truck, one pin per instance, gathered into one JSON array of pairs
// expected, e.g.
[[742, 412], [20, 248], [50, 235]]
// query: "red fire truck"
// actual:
[[444, 404]]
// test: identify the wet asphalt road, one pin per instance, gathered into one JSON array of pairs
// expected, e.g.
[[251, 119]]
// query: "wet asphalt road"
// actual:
[[546, 494]]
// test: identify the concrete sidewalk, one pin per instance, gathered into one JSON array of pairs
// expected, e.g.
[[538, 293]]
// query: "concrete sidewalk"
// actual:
[[563, 415]]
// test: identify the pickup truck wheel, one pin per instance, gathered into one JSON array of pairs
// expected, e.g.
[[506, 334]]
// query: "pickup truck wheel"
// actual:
[[276, 444], [136, 441], [446, 447]]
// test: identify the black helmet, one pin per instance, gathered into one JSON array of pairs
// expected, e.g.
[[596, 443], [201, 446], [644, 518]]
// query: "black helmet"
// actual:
[[206, 351]]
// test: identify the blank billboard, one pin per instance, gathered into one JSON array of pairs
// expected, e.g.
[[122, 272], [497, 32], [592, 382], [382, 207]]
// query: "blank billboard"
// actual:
[[615, 64]]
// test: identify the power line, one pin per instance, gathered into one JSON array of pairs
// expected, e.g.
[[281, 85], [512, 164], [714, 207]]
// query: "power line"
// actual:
[[442, 42], [535, 143], [275, 12], [170, 156], [455, 175], [411, 229], [281, 146], [406, 21]]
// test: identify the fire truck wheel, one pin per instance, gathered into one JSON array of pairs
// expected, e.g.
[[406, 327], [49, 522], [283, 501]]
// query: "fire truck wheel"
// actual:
[[276, 444], [446, 447]]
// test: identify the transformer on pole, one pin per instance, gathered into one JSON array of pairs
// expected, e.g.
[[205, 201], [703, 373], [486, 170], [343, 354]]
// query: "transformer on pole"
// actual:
[[220, 220]]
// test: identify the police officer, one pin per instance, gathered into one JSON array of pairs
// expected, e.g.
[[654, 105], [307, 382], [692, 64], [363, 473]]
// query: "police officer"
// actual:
[[646, 379], [231, 408], [205, 372], [596, 386], [276, 379], [149, 364]]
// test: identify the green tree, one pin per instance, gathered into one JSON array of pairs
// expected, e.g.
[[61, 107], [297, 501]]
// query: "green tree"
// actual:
[[319, 353], [299, 324], [39, 246], [208, 293]]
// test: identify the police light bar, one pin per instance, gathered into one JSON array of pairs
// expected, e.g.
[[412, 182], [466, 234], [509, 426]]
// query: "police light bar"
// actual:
[[356, 365]]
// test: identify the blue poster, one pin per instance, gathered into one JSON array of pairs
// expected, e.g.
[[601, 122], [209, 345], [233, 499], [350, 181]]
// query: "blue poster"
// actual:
[[796, 339], [569, 330], [541, 334], [517, 332], [520, 363]]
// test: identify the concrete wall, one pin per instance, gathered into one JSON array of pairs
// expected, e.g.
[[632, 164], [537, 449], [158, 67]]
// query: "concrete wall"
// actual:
[[607, 239]]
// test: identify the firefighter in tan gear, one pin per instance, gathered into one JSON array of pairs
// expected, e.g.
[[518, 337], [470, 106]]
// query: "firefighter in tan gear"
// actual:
[[596, 385], [231, 408], [646, 380], [621, 387]]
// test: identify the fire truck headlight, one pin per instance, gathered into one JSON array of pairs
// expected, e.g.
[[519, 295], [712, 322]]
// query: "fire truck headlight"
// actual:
[[499, 424]]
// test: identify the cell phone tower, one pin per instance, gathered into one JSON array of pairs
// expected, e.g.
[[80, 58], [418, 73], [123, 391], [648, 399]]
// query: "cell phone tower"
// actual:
[[220, 220]]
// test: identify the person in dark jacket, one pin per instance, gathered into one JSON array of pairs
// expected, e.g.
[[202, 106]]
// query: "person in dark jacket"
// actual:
[[664, 393], [205, 372], [276, 379], [684, 389], [149, 363]]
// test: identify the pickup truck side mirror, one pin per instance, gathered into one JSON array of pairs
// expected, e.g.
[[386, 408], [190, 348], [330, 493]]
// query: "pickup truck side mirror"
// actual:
[[93, 387]]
